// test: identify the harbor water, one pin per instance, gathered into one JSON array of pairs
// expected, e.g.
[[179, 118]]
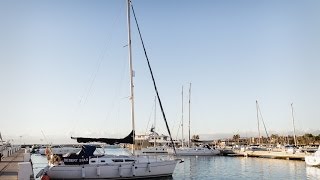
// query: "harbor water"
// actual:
[[224, 167]]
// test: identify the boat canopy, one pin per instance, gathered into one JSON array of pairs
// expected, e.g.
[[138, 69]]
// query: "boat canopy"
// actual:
[[127, 140]]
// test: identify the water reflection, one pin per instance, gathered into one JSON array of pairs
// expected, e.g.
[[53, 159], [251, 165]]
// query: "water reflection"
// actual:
[[313, 172]]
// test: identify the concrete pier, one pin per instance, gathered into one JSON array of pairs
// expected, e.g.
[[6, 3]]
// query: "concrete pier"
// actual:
[[271, 154], [9, 164]]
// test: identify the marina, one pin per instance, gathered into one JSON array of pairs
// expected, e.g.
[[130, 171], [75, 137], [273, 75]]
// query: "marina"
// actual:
[[240, 165], [227, 167], [91, 90]]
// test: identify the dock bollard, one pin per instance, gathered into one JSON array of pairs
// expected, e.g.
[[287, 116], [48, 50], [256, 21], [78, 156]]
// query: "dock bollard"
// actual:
[[27, 150], [25, 171], [4, 153], [26, 157]]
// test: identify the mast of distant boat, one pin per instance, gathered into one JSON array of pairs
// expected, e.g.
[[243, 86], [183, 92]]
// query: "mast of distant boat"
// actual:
[[154, 124], [182, 117], [131, 74], [294, 128], [189, 114], [264, 125], [258, 120]]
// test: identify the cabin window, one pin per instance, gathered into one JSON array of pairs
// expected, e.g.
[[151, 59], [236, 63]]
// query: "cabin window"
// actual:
[[102, 161], [93, 161], [128, 160], [117, 160]]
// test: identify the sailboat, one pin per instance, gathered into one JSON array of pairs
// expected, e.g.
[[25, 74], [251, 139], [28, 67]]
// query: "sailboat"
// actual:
[[205, 150], [259, 147], [314, 159], [86, 165]]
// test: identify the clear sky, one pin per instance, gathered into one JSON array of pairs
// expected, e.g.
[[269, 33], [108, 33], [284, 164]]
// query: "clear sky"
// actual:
[[64, 67]]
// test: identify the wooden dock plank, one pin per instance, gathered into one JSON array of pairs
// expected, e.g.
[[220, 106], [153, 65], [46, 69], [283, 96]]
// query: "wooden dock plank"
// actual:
[[9, 166]]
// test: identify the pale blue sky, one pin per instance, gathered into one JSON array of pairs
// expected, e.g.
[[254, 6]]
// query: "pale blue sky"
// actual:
[[234, 52]]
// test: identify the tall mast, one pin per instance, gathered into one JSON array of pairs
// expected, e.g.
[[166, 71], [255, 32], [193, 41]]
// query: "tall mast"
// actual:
[[189, 114], [294, 128], [155, 115], [258, 120], [182, 117], [131, 75]]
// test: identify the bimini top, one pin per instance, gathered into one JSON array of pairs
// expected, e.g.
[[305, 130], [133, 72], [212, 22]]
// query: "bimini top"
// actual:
[[127, 140]]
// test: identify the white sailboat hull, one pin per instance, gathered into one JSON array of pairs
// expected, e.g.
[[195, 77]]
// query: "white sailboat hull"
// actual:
[[157, 149], [125, 170], [312, 160]]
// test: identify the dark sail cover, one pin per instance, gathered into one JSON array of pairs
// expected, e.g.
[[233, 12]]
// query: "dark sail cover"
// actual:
[[199, 141], [127, 140]]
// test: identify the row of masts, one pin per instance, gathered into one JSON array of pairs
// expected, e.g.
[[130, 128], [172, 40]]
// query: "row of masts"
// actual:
[[258, 119]]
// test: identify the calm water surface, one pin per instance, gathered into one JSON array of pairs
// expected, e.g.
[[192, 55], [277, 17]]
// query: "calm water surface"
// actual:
[[222, 167]]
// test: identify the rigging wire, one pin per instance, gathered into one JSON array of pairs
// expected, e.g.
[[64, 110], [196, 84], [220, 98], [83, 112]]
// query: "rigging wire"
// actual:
[[45, 137], [263, 122], [151, 112], [88, 90], [153, 80], [178, 128]]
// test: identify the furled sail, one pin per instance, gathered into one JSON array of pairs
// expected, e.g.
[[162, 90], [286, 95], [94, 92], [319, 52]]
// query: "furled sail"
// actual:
[[127, 140], [202, 141]]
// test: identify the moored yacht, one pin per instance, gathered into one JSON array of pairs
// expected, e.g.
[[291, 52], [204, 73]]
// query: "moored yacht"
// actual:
[[195, 151], [160, 143], [155, 149], [314, 159], [86, 165]]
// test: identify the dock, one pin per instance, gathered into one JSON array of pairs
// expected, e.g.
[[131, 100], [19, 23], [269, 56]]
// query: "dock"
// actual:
[[9, 165], [271, 154]]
